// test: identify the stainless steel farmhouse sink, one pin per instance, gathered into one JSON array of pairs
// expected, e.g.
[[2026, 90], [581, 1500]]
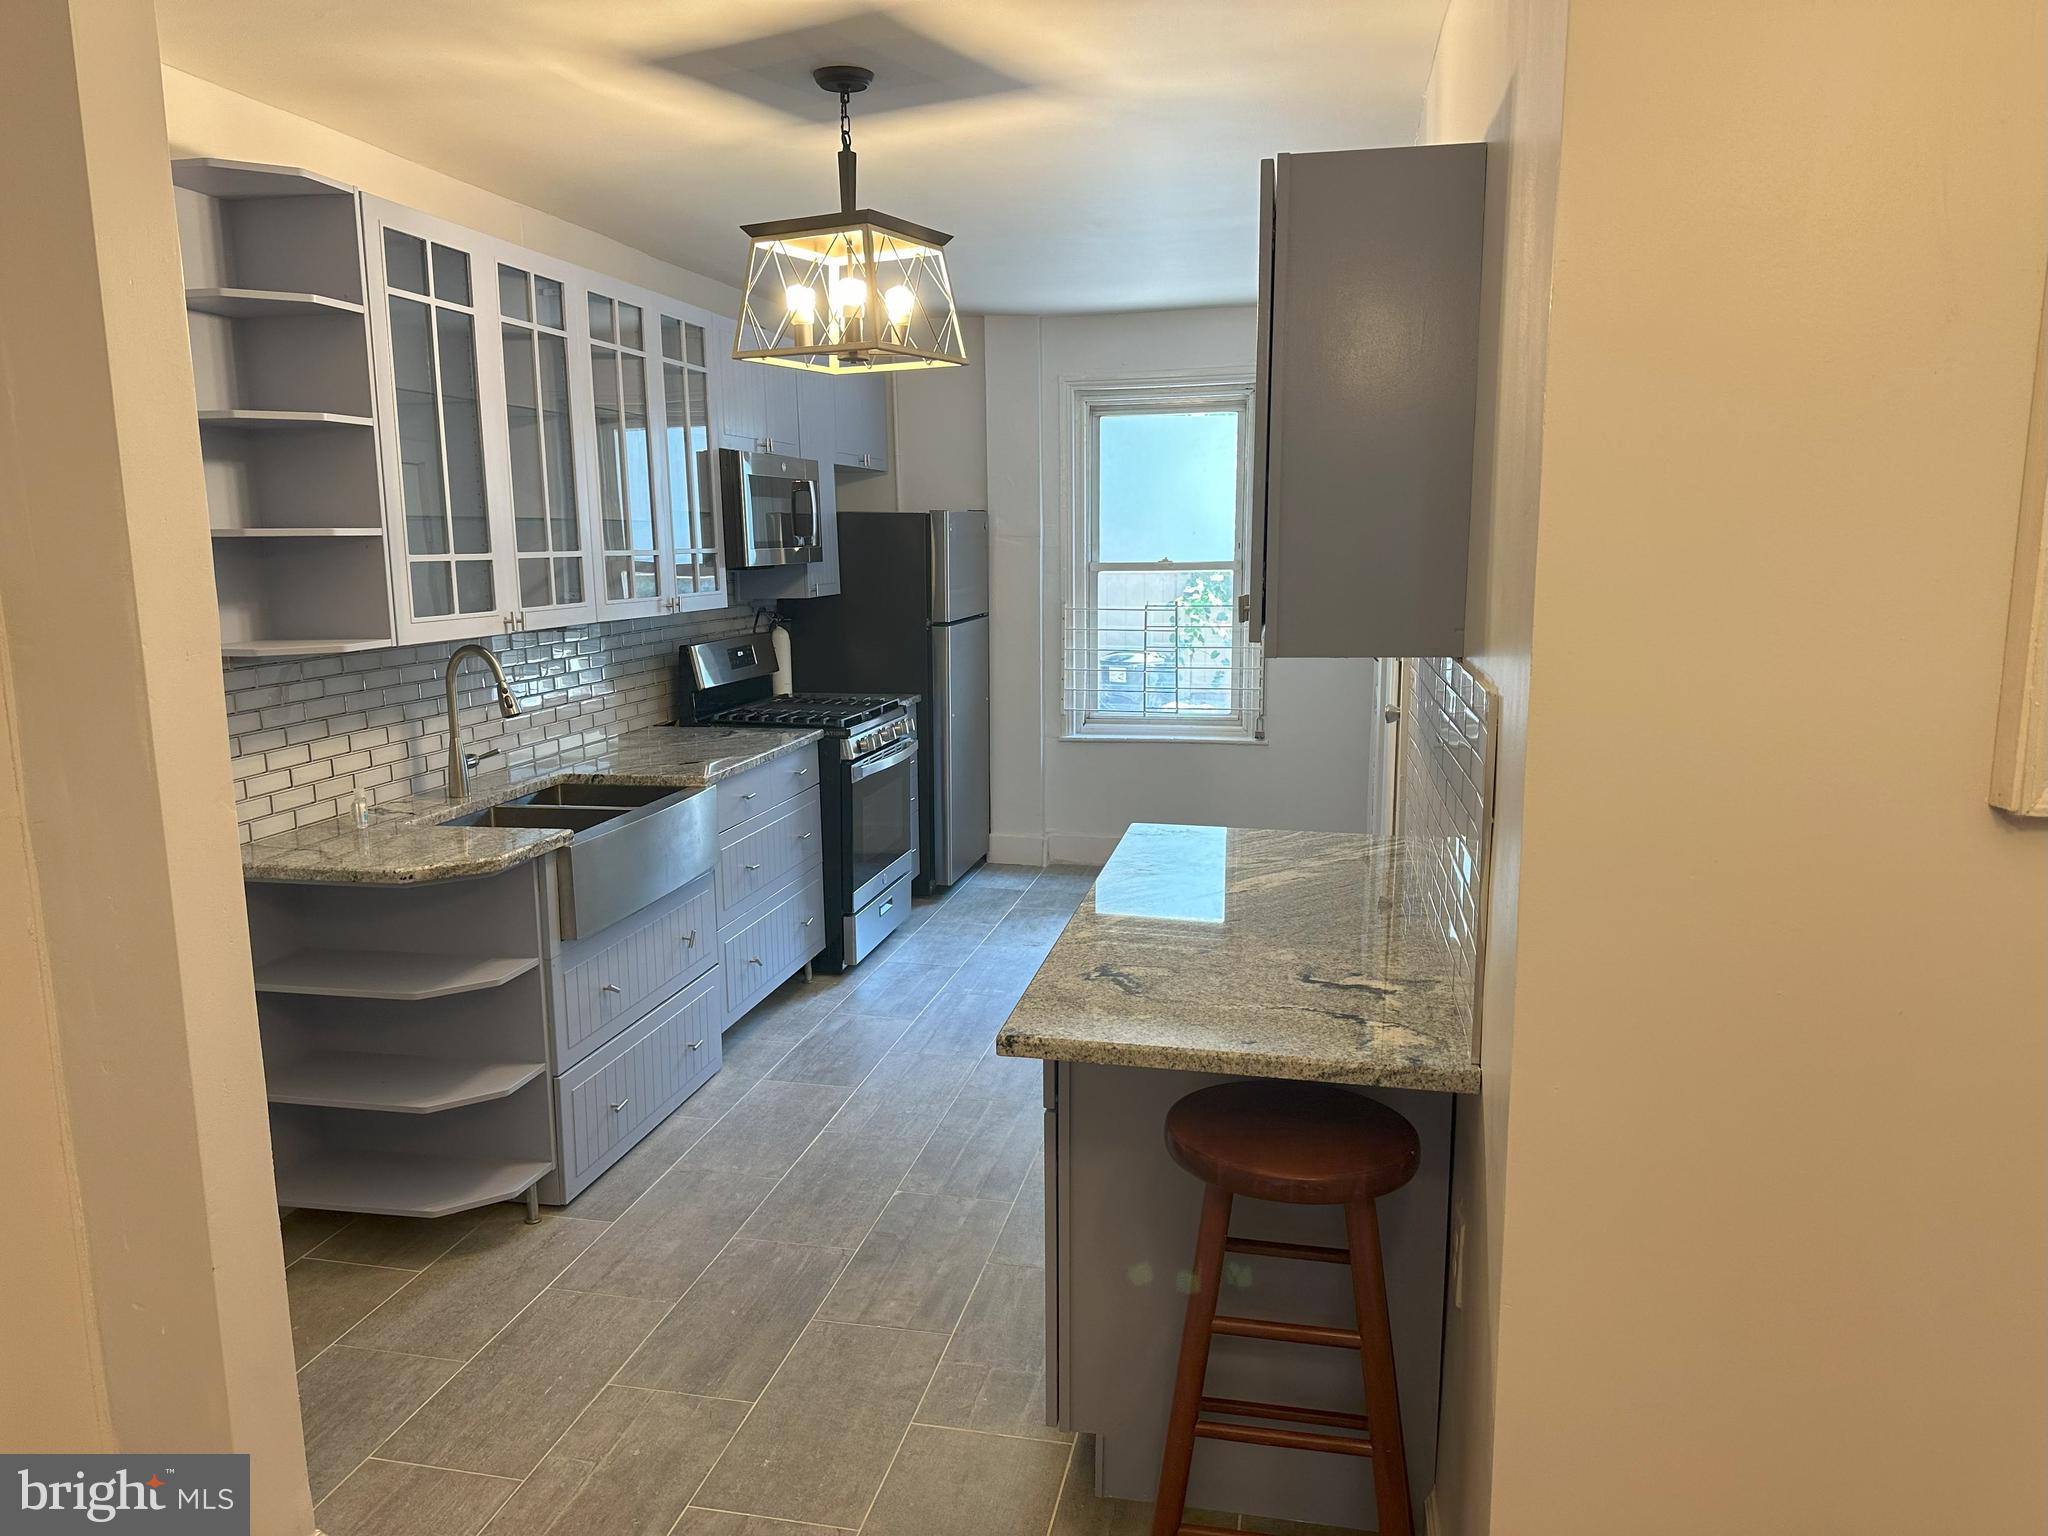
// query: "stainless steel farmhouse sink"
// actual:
[[633, 844]]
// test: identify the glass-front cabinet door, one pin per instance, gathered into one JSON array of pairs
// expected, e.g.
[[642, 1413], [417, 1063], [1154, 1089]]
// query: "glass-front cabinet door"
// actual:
[[632, 521], [445, 564], [550, 553], [697, 566], [547, 436]]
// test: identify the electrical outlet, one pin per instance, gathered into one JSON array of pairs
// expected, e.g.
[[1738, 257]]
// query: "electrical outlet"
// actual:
[[1458, 1258]]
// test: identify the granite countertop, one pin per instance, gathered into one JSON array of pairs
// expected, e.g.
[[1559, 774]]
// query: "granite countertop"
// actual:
[[404, 843], [1304, 955]]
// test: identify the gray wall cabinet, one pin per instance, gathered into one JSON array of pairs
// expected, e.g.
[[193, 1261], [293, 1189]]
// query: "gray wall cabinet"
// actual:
[[1369, 295]]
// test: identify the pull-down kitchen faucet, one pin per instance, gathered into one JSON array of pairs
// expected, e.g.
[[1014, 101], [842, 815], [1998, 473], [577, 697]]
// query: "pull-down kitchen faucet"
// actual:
[[458, 769]]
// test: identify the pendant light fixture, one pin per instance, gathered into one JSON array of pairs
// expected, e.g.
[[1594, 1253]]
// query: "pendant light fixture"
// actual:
[[855, 291]]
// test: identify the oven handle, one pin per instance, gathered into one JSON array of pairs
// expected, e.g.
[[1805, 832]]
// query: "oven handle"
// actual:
[[888, 759]]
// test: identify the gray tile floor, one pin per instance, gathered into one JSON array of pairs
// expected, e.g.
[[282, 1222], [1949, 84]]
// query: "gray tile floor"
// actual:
[[811, 1301]]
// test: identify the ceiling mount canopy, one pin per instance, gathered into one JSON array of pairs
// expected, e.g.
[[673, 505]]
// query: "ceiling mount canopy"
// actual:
[[857, 291]]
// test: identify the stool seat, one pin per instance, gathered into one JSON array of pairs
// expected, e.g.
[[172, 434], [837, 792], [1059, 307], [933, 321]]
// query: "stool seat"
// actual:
[[1302, 1143]]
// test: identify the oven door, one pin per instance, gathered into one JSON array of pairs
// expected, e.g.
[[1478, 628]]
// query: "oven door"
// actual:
[[881, 823]]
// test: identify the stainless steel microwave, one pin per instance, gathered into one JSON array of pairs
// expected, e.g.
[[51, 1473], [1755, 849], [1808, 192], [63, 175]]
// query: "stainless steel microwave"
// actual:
[[771, 509]]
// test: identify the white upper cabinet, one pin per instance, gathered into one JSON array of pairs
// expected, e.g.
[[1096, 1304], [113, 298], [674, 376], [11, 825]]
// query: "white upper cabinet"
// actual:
[[692, 464], [634, 538], [544, 454], [860, 435], [450, 548], [547, 436], [758, 410]]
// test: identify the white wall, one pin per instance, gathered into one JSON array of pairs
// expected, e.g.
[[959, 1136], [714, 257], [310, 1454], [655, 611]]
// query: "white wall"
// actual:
[[990, 436]]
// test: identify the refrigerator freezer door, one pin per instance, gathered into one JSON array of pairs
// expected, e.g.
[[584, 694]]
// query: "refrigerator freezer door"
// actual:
[[959, 565], [959, 717]]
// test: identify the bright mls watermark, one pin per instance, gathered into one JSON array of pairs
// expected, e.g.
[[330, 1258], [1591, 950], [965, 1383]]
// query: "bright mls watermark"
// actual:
[[163, 1495]]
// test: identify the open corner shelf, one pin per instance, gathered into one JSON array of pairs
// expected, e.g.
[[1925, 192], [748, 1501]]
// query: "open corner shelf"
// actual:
[[396, 1184], [298, 533], [275, 421], [388, 975], [403, 1085], [265, 303], [261, 648]]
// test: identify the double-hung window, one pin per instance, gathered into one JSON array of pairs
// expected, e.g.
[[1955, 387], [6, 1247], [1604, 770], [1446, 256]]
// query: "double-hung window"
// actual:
[[1160, 510]]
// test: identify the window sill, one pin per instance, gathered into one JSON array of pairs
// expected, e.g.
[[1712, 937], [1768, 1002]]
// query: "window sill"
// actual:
[[1176, 739]]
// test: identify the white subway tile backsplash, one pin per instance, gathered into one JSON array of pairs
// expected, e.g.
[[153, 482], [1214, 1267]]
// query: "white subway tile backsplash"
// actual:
[[1449, 717], [307, 735]]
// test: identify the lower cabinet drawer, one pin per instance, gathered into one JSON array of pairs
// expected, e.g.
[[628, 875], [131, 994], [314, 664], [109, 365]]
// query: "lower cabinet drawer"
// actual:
[[748, 794], [761, 853], [609, 1101], [611, 978], [773, 944]]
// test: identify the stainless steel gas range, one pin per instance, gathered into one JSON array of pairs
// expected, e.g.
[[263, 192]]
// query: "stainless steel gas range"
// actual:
[[867, 772]]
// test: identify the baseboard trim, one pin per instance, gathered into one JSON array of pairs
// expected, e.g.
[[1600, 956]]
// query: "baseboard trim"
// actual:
[[1017, 848]]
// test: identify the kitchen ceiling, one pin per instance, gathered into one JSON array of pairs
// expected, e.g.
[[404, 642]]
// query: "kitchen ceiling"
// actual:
[[1087, 154]]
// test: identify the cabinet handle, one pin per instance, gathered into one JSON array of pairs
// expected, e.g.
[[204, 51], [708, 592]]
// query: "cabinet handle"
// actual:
[[887, 905], [755, 961], [696, 1045], [749, 794], [750, 868], [808, 921], [608, 987], [801, 772], [615, 1108], [803, 837], [690, 939]]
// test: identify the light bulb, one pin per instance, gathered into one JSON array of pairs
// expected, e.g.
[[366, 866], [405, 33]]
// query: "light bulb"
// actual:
[[849, 294], [801, 300], [900, 301]]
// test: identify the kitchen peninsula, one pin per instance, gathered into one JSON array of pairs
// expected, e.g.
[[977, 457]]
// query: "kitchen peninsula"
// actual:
[[1203, 954]]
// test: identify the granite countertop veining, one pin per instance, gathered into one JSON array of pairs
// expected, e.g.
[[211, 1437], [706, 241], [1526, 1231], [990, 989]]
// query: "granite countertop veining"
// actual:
[[1305, 955], [405, 843]]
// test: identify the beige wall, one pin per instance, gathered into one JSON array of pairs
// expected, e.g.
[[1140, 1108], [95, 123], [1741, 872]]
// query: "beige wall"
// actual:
[[1773, 1249], [1498, 78], [207, 119], [134, 1079]]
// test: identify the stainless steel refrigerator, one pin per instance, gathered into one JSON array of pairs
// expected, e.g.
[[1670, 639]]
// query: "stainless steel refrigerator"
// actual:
[[912, 617]]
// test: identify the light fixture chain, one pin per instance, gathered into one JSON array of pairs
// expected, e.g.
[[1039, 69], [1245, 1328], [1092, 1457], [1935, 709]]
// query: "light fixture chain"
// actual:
[[845, 121]]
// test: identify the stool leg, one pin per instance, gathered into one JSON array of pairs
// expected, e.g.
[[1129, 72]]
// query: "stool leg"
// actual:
[[1194, 1363], [1376, 1355]]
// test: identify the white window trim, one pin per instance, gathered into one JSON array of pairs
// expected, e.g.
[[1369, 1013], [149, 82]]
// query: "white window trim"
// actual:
[[1080, 408]]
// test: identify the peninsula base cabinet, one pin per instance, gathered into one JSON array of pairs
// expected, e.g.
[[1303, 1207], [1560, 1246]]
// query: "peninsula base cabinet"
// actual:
[[1121, 1217]]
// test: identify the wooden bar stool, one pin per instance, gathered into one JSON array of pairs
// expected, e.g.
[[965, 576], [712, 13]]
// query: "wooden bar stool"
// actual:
[[1305, 1144]]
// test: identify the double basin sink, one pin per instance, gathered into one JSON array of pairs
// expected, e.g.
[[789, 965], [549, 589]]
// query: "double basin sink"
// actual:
[[632, 845]]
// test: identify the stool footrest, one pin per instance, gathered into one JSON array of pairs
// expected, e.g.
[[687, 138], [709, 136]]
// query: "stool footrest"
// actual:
[[1286, 1333], [1263, 1249], [1287, 1439], [1244, 1408]]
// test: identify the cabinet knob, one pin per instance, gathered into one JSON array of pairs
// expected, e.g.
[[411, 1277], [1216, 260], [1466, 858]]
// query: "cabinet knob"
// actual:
[[615, 1108]]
